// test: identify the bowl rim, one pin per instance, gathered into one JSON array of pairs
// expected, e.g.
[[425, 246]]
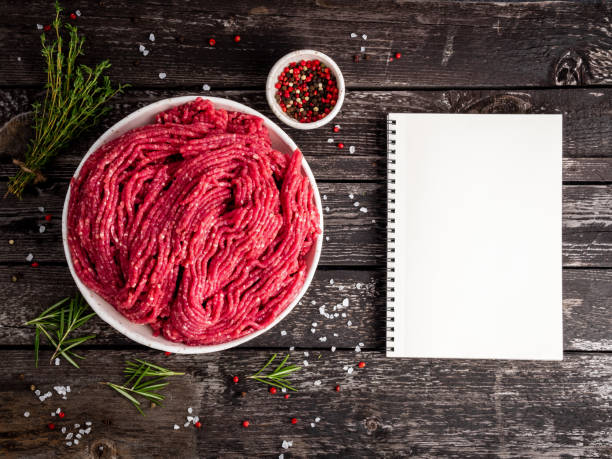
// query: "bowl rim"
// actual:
[[296, 56], [124, 325]]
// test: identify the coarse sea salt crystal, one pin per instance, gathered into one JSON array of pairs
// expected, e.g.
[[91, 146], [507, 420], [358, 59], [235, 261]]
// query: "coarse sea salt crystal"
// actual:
[[41, 209], [141, 48], [344, 315], [30, 257], [26, 414], [190, 418], [350, 370], [283, 389], [345, 302], [357, 349], [56, 361], [69, 436], [313, 330], [76, 426], [281, 456], [313, 302], [327, 209], [285, 444], [18, 59], [331, 281], [312, 424], [283, 332], [53, 414], [364, 36], [317, 382], [363, 49], [352, 149], [63, 430], [152, 37], [364, 210], [206, 87], [196, 419], [76, 442], [324, 197], [190, 410], [162, 75], [88, 423], [68, 443], [333, 348], [323, 338], [292, 348], [58, 411], [39, 26], [145, 52], [78, 12], [353, 35], [349, 323], [176, 427], [356, 204], [351, 196], [327, 238], [317, 419], [361, 344], [336, 335], [306, 353], [330, 140], [358, 285], [186, 424], [78, 435]]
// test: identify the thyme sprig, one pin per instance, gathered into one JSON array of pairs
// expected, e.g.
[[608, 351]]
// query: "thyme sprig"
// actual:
[[57, 323], [278, 377], [74, 101], [145, 379]]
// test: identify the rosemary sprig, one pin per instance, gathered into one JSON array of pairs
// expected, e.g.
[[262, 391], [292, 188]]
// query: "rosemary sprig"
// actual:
[[144, 379], [57, 322], [74, 101], [278, 377]]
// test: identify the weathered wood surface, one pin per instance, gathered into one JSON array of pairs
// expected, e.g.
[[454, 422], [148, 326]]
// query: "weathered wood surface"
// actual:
[[587, 302], [391, 407], [356, 238], [444, 44]]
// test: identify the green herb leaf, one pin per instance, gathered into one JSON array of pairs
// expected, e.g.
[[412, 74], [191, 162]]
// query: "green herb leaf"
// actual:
[[276, 377]]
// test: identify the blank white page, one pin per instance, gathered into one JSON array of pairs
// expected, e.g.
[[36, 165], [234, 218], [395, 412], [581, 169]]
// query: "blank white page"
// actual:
[[478, 202]]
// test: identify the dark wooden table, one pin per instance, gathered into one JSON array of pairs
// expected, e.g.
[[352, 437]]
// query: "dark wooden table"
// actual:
[[532, 57]]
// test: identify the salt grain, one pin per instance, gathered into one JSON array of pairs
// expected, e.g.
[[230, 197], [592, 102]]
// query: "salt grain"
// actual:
[[57, 361], [351, 196], [325, 196], [162, 75], [345, 302], [364, 36], [78, 435], [344, 314], [76, 426], [313, 302], [364, 210], [41, 209], [26, 414], [283, 332], [292, 348], [88, 423], [186, 424], [190, 410], [69, 436], [19, 59], [356, 204], [190, 418], [312, 424], [331, 281], [76, 442], [350, 370], [281, 456], [363, 51], [327, 238], [30, 257], [176, 427], [206, 87], [323, 339], [78, 12], [306, 354], [327, 209], [358, 285], [336, 335], [63, 430], [152, 37], [317, 382], [68, 443], [312, 330], [39, 26], [357, 349], [145, 52], [317, 419], [58, 411], [361, 344], [353, 35], [141, 48]]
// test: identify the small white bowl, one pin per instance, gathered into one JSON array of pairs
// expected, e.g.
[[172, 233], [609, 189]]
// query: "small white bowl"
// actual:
[[296, 56], [142, 333]]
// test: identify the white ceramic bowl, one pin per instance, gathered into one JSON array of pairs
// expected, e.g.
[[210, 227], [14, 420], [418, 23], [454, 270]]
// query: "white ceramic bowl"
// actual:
[[296, 56], [142, 333]]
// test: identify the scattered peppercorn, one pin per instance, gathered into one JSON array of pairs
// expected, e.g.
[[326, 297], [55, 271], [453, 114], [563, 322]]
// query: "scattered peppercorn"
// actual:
[[337, 388], [361, 364], [237, 38], [14, 278], [245, 423], [72, 16], [356, 58], [212, 42], [340, 146], [198, 425], [243, 394], [286, 396], [398, 55], [293, 420], [337, 128], [11, 241], [51, 426], [48, 217], [61, 414], [306, 90], [236, 379], [167, 353], [47, 28], [366, 57], [272, 390], [32, 387], [390, 59], [34, 264]]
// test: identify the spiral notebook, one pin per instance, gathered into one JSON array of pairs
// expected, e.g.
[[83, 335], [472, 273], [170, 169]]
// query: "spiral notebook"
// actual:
[[474, 236]]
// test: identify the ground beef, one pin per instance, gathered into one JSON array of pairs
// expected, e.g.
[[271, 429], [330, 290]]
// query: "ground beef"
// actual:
[[194, 224]]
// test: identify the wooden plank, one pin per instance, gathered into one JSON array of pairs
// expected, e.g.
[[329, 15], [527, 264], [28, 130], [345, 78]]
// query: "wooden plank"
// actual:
[[355, 238], [444, 44], [392, 407], [587, 130], [587, 300]]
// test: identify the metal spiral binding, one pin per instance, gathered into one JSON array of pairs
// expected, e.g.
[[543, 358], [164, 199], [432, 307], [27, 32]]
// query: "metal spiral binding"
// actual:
[[391, 158]]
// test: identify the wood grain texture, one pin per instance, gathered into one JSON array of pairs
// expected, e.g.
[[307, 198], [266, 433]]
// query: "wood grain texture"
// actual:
[[448, 408], [355, 238], [587, 302], [587, 126], [444, 44]]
